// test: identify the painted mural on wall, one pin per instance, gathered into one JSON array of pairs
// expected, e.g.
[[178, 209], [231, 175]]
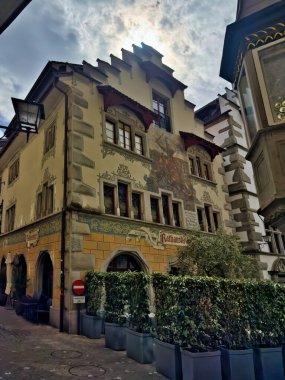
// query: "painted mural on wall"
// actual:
[[170, 170]]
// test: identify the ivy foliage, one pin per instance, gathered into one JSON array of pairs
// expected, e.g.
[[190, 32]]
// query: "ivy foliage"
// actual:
[[218, 255], [94, 283], [204, 314], [116, 297]]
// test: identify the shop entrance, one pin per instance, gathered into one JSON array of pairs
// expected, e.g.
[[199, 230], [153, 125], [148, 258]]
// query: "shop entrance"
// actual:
[[45, 275]]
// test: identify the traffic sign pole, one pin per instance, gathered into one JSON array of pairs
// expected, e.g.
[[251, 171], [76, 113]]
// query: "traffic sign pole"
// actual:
[[78, 289]]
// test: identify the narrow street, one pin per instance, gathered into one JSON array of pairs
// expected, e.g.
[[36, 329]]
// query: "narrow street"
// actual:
[[40, 352]]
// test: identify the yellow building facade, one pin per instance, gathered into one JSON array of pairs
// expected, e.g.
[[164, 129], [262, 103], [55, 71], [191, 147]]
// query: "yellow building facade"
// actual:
[[118, 175]]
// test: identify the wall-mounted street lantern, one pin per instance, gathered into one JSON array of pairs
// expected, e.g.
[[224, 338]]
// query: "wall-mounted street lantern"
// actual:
[[28, 116]]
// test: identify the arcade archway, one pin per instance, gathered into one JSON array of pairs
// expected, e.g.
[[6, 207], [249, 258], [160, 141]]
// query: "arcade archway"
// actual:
[[19, 276], [44, 275], [125, 261]]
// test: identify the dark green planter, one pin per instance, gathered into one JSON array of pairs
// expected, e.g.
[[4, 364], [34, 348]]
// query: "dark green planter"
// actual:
[[268, 364], [237, 364], [168, 360], [139, 346], [3, 299], [115, 336], [91, 326], [201, 365]]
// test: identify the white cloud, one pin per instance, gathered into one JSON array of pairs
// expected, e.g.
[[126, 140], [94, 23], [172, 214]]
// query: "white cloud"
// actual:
[[189, 33]]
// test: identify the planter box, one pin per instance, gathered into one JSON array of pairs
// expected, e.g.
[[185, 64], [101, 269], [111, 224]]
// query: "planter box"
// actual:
[[139, 346], [91, 326], [237, 364], [201, 365], [115, 336], [168, 360], [268, 363]]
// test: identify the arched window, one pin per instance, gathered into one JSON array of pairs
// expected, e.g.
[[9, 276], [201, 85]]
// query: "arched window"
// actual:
[[124, 262]]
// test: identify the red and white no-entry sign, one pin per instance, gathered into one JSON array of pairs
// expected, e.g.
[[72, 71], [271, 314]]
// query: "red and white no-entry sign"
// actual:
[[78, 287]]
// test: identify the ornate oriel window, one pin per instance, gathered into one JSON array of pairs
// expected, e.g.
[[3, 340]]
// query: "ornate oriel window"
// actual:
[[269, 61]]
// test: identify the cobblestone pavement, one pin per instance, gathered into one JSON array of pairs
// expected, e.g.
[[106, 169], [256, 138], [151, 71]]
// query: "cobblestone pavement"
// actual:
[[40, 352]]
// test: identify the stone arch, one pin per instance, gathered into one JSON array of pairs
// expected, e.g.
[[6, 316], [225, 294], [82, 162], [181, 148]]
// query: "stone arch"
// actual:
[[19, 276], [44, 275], [278, 270], [134, 257], [3, 275]]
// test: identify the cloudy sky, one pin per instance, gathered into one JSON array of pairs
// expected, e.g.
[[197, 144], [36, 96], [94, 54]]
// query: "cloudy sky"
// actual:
[[189, 33]]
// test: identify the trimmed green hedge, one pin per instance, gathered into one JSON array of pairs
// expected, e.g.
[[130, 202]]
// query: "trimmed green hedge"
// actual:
[[200, 313]]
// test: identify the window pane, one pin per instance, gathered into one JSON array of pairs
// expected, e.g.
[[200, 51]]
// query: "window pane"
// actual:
[[272, 61], [109, 202], [125, 136], [200, 219], [154, 210], [160, 106], [123, 199], [110, 132], [208, 218], [192, 166], [216, 218], [176, 218], [199, 168], [165, 209], [247, 102], [138, 144], [136, 203], [206, 171]]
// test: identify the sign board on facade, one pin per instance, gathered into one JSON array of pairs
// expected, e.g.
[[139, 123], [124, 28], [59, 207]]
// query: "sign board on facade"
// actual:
[[78, 287], [158, 239], [32, 238], [78, 299], [172, 239]]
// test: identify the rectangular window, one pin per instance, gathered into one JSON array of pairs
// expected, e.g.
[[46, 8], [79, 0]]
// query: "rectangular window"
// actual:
[[13, 171], [192, 166], [49, 138], [199, 167], [39, 205], [110, 132], [207, 172], [10, 218], [200, 219], [165, 208], [123, 199], [155, 210], [138, 144], [216, 217], [136, 204], [49, 200], [109, 199], [125, 136], [160, 107], [176, 218], [208, 218]]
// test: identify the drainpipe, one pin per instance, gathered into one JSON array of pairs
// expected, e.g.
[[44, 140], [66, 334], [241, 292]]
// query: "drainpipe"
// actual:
[[64, 209]]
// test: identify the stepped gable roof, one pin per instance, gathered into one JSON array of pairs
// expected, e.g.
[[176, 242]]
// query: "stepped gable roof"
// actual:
[[154, 71]]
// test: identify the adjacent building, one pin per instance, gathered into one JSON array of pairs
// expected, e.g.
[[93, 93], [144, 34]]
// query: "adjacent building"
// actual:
[[222, 118], [120, 172], [253, 61]]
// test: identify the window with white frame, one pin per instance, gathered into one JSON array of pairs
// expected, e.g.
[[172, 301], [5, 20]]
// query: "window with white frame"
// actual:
[[45, 201], [165, 210], [10, 218], [126, 136], [160, 106], [13, 171], [120, 200], [208, 220], [200, 164]]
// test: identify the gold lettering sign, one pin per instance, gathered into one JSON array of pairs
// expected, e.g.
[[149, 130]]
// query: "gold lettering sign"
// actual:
[[32, 238], [172, 239]]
